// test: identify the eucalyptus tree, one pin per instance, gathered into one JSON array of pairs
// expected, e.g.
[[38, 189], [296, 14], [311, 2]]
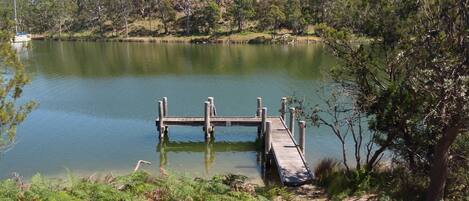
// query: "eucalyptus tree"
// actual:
[[166, 13], [412, 79], [187, 7], [212, 14], [275, 16], [240, 11], [294, 16]]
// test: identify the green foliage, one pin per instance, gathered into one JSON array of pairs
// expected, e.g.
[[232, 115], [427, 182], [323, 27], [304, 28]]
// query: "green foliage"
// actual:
[[294, 17], [13, 79], [275, 16], [139, 186], [166, 14], [240, 11], [411, 79], [340, 184], [206, 19], [212, 15], [273, 192], [270, 14], [9, 190]]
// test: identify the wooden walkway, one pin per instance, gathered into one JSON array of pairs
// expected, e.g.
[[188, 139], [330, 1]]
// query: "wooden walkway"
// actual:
[[215, 121], [279, 143]]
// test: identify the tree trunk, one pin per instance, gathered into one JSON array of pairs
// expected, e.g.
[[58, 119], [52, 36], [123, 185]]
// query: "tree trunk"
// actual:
[[60, 30], [439, 169], [126, 28]]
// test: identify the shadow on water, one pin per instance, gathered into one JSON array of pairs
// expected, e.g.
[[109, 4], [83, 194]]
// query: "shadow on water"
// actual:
[[210, 148]]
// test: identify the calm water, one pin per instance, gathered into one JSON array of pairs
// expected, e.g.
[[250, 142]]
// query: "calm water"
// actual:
[[98, 104]]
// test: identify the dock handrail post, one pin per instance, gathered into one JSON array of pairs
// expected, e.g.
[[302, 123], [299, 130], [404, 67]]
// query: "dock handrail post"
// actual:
[[161, 126], [213, 111], [259, 107], [302, 126], [268, 137], [292, 120], [165, 106], [264, 119], [283, 109], [207, 127]]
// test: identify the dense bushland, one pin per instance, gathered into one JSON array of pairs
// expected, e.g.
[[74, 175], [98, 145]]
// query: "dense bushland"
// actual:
[[112, 18]]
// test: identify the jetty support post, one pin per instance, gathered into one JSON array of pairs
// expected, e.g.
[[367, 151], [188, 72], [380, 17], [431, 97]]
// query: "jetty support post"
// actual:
[[302, 127], [263, 124], [268, 137], [207, 125], [258, 114], [259, 107], [165, 112], [292, 120], [161, 126], [165, 106], [283, 108], [213, 111]]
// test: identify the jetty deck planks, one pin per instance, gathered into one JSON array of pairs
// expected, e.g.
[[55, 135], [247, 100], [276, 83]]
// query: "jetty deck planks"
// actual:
[[291, 165]]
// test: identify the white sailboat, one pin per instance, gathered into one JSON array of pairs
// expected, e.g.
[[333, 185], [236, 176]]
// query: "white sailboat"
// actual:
[[20, 37]]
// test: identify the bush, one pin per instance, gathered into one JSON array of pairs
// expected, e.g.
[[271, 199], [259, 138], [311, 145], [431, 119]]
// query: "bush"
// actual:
[[339, 183]]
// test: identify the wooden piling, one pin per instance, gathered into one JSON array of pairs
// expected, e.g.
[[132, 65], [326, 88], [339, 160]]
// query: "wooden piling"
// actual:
[[264, 119], [292, 120], [165, 106], [268, 137], [161, 126], [283, 108], [259, 107], [211, 100], [302, 127], [207, 126], [281, 148]]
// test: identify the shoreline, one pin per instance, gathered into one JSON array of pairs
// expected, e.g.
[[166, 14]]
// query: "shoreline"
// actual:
[[250, 38], [141, 185]]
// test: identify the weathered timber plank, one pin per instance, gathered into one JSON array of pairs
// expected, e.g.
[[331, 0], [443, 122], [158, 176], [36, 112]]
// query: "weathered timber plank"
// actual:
[[215, 121], [291, 166]]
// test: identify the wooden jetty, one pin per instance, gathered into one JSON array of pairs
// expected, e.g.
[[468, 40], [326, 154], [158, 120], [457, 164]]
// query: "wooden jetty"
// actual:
[[279, 143]]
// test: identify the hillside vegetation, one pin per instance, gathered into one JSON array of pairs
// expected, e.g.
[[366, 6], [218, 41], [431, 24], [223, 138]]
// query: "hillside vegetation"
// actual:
[[178, 20]]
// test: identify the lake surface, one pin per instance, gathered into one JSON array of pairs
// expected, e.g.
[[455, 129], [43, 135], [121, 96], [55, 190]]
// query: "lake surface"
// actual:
[[97, 105]]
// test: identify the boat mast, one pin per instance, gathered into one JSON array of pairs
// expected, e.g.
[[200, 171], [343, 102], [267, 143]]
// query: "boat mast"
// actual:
[[16, 20]]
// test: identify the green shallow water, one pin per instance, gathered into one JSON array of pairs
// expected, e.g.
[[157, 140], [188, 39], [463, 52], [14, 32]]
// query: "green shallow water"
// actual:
[[98, 104]]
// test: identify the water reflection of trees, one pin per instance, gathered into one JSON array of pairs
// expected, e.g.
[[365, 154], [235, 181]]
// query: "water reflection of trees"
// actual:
[[210, 150], [94, 59]]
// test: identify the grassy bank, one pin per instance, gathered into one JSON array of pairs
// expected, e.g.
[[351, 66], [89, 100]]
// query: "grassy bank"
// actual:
[[139, 186], [222, 38]]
